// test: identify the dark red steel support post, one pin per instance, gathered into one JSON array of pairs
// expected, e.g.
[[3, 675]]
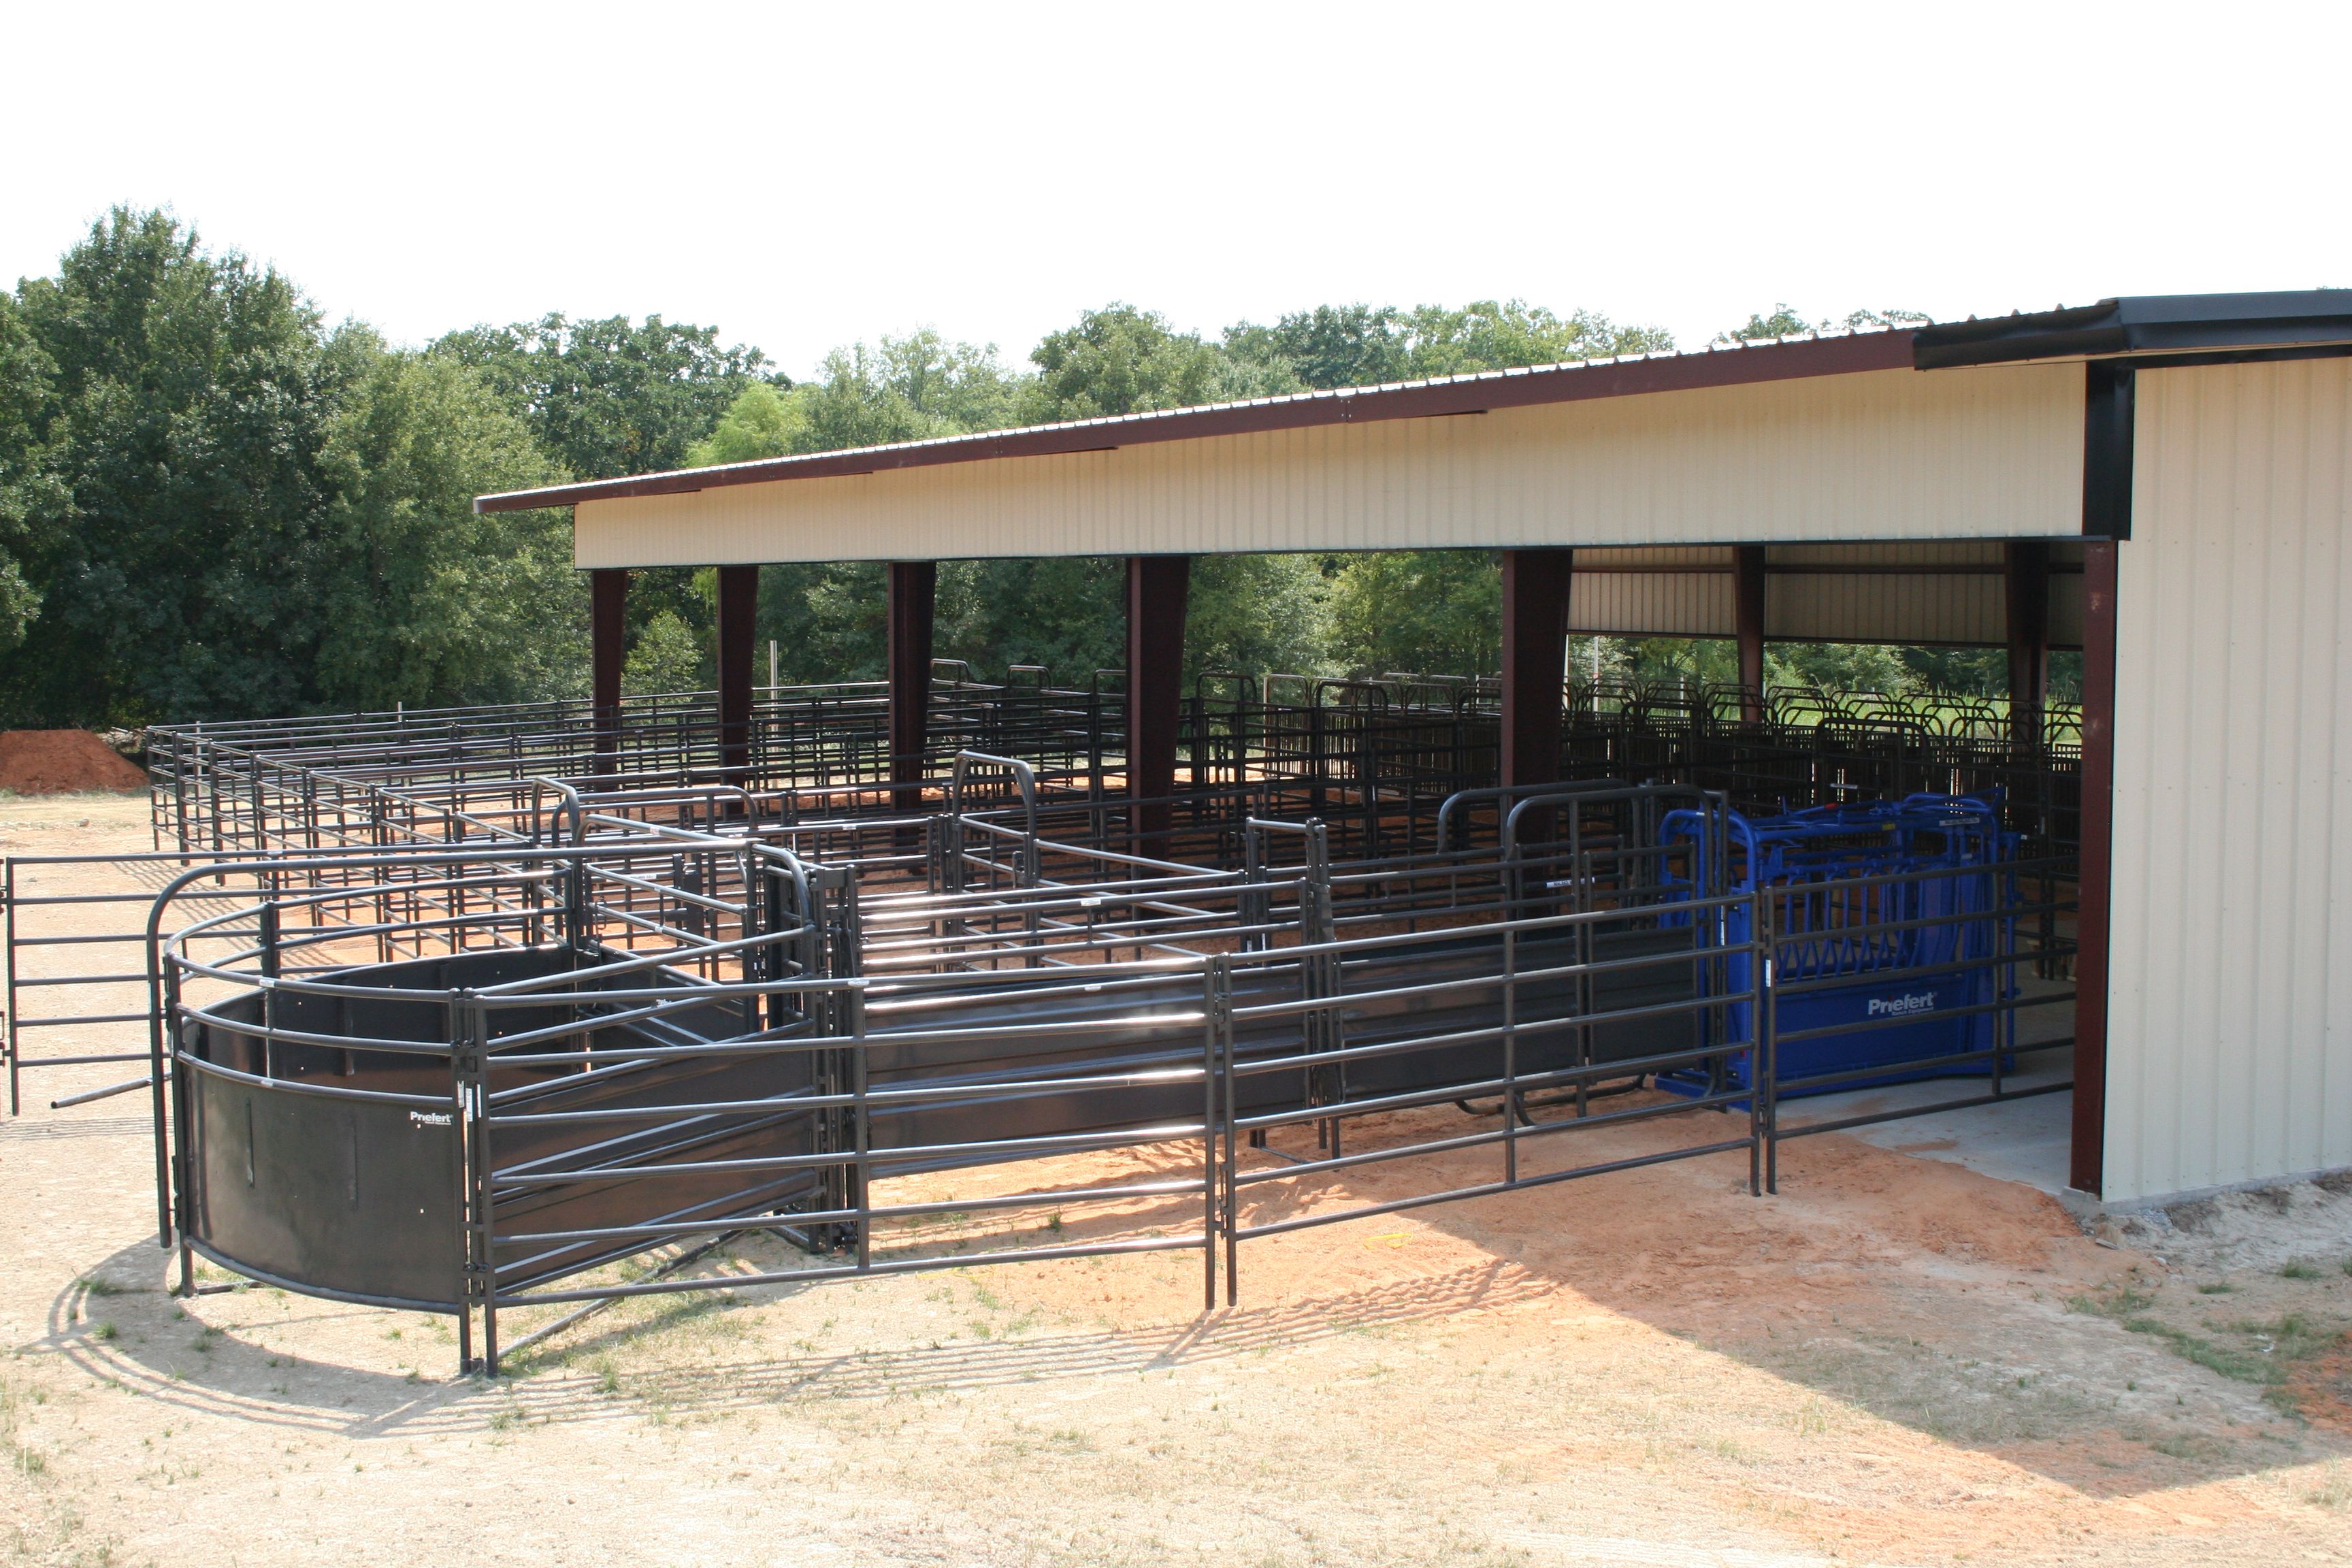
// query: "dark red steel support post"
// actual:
[[1159, 588], [739, 603], [1535, 656], [2026, 570], [2086, 1169], [1748, 611], [914, 602], [608, 604]]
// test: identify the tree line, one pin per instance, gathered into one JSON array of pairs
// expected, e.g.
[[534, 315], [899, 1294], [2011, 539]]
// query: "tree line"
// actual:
[[216, 503]]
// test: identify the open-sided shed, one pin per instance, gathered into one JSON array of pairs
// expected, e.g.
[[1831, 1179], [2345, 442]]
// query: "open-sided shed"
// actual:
[[2160, 482]]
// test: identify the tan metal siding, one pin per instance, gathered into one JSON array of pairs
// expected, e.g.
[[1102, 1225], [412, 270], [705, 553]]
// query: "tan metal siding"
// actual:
[[1669, 591], [1956, 595], [1976, 453], [2230, 1047]]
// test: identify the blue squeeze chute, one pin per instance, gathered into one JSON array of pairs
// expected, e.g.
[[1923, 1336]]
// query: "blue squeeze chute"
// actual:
[[1909, 986]]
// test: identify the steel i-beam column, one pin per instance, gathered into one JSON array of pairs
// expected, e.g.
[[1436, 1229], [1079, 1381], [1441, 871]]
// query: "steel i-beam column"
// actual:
[[2026, 572], [739, 602], [1535, 662], [1748, 593], [1159, 588], [913, 610], [2093, 903], [2109, 426], [608, 600]]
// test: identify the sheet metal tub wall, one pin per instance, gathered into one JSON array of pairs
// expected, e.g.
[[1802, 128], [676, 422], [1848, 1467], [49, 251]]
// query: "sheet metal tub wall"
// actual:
[[294, 1182], [1159, 1026]]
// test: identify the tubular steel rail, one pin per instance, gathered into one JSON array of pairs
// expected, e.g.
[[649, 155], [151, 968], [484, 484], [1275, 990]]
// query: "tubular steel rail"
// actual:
[[440, 1017]]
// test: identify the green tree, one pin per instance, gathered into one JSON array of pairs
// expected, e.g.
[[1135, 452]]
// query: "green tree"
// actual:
[[912, 388], [1259, 613], [175, 538], [1432, 611], [1331, 345], [1505, 335], [668, 656], [611, 396], [1782, 321], [761, 423], [26, 487], [616, 397], [1120, 360], [1785, 320], [1365, 345], [1835, 667], [424, 601]]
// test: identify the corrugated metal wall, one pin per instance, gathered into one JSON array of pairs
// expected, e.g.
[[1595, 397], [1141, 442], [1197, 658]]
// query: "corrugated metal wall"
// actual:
[[1891, 592], [2230, 1047], [1687, 591], [1897, 454], [1847, 592]]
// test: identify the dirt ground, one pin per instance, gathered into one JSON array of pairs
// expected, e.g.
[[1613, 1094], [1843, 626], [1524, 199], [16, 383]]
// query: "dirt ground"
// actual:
[[1894, 1361], [48, 762]]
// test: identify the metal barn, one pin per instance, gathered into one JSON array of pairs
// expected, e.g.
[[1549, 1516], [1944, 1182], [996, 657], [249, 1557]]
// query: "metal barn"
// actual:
[[2161, 482]]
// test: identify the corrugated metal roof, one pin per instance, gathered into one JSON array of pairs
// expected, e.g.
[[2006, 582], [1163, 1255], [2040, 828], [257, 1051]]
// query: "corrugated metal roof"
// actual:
[[1824, 353], [1885, 454]]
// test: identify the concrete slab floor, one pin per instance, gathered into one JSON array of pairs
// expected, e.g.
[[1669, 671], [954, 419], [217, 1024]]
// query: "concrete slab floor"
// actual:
[[2025, 1141]]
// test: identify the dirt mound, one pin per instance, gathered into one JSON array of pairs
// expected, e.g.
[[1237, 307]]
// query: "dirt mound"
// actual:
[[59, 762]]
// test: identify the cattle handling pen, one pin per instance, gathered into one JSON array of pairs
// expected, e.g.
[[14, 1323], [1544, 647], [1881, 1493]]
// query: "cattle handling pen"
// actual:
[[512, 1013], [441, 1028]]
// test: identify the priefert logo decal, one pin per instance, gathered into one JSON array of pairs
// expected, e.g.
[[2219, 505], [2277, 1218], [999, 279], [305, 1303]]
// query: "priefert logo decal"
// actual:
[[1900, 1007], [441, 1118]]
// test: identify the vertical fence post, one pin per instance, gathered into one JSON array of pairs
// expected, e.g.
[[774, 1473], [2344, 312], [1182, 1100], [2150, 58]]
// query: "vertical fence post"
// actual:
[[1764, 1081], [1221, 1031], [861, 1199], [1511, 1055], [171, 1162], [468, 1050], [1209, 1186], [15, 1044]]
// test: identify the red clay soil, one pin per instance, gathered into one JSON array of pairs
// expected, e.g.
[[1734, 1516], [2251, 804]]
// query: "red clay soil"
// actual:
[[61, 762]]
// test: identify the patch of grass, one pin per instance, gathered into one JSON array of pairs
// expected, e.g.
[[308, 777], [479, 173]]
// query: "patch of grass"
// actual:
[[25, 1460], [2217, 1287], [2243, 1366], [99, 1285], [2291, 1337], [2189, 1446], [105, 1332], [2258, 1351], [2301, 1268]]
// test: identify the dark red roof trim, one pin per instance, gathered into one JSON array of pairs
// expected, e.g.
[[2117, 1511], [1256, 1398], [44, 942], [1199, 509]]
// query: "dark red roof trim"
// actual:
[[1786, 361]]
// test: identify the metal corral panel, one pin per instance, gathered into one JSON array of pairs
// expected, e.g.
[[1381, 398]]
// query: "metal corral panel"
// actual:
[[2229, 1046], [1966, 453]]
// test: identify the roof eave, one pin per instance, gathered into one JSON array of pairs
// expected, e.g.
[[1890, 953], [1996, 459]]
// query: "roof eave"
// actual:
[[1788, 359]]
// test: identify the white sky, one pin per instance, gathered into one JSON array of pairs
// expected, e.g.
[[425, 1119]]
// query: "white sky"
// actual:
[[806, 175]]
